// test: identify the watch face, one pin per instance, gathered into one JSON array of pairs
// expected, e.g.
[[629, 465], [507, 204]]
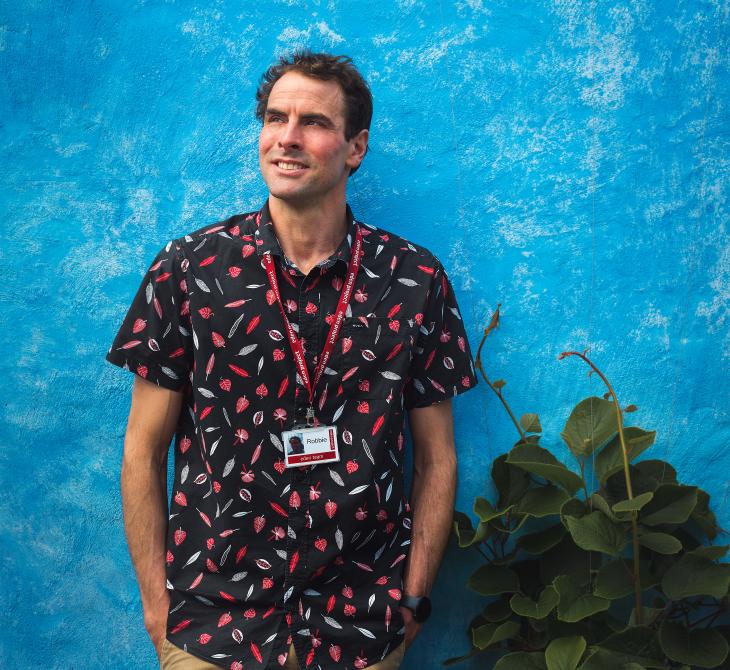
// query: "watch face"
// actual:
[[423, 609]]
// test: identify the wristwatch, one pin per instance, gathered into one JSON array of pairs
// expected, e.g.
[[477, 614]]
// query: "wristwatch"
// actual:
[[419, 605]]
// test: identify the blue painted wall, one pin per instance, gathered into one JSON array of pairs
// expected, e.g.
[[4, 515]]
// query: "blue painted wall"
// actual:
[[567, 159]]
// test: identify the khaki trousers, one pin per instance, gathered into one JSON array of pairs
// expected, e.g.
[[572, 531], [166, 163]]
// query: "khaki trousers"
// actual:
[[174, 658]]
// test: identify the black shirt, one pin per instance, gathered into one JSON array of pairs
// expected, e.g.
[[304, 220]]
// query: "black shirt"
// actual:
[[259, 555]]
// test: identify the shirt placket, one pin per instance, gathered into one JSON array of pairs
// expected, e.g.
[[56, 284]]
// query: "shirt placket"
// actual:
[[298, 537]]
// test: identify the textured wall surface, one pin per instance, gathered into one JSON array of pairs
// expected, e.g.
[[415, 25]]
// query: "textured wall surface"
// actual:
[[568, 159]]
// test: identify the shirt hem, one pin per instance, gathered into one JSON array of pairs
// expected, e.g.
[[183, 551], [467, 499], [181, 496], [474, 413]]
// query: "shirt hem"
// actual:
[[130, 363], [452, 393]]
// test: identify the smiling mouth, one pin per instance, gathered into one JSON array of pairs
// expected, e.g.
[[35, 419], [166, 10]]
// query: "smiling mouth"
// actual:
[[289, 165]]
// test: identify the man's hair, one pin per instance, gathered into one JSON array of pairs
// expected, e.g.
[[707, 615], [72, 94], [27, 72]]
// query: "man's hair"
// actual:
[[357, 96]]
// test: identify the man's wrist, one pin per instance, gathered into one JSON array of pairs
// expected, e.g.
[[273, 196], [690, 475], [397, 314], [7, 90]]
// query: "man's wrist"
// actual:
[[420, 606]]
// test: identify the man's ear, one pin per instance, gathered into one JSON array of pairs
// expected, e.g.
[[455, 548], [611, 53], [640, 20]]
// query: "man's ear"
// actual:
[[358, 148]]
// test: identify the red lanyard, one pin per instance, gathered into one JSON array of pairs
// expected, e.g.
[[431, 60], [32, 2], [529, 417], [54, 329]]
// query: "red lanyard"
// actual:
[[329, 345]]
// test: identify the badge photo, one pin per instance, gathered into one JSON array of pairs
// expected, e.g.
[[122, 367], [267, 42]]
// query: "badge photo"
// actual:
[[307, 446]]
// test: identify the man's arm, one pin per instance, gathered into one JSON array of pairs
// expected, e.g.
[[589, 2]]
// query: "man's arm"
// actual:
[[151, 425], [432, 499]]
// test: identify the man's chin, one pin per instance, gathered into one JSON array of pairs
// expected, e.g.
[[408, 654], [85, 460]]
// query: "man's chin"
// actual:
[[290, 196]]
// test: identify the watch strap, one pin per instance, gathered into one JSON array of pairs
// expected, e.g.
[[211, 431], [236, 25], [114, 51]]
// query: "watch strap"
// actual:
[[419, 605]]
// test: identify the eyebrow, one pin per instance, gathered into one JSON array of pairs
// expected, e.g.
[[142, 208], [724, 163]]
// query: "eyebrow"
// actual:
[[306, 117]]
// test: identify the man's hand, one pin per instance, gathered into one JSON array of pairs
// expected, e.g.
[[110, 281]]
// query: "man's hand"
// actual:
[[412, 626], [155, 621]]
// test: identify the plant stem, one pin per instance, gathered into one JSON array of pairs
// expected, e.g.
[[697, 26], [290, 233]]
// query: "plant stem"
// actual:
[[478, 365], [479, 549], [627, 476], [582, 465], [711, 615]]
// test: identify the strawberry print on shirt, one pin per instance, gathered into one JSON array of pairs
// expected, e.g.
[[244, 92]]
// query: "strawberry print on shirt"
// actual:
[[259, 556]]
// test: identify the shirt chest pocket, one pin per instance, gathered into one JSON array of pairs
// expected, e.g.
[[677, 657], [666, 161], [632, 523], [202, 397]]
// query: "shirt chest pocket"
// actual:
[[375, 358]]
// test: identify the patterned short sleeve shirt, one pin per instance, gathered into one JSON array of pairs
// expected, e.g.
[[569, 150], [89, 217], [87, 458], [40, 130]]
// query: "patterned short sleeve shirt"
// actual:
[[259, 555]]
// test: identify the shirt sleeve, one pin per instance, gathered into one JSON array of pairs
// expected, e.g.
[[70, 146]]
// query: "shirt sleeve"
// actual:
[[442, 365], [155, 338]]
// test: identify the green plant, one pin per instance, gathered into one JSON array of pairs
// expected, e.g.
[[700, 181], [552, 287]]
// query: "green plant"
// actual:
[[622, 577]]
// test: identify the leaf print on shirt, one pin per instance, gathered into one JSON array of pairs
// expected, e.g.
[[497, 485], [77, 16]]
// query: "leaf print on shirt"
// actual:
[[154, 340]]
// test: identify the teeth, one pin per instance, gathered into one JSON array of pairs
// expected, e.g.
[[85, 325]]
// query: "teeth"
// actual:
[[289, 166]]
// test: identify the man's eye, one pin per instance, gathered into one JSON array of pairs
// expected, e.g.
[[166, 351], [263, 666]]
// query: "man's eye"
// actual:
[[315, 122], [274, 119]]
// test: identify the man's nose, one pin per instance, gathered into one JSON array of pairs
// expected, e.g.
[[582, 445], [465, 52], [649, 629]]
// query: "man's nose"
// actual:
[[290, 135]]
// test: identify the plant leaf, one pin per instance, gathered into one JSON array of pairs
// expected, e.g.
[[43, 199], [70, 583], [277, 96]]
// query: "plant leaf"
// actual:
[[573, 507], [531, 423], [599, 659], [672, 503], [596, 532], [590, 426], [700, 646], [465, 533], [661, 543], [455, 660], [538, 543], [511, 482], [696, 575], [541, 462], [565, 558], [615, 579], [574, 605], [713, 551], [484, 510], [490, 634], [636, 644], [655, 472], [565, 653], [524, 606], [491, 580], [522, 660], [647, 613], [633, 505], [602, 659], [600, 503], [610, 459], [497, 611], [542, 501], [703, 516]]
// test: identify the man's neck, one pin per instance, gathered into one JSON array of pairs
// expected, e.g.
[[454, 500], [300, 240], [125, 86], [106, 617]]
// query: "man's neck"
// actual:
[[308, 235]]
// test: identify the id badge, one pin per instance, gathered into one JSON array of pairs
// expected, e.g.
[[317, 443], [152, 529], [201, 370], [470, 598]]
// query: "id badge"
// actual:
[[310, 446]]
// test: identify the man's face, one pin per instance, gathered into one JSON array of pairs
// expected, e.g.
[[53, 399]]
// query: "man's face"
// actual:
[[303, 154]]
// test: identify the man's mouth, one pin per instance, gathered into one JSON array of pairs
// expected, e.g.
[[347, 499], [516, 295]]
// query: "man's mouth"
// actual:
[[289, 165]]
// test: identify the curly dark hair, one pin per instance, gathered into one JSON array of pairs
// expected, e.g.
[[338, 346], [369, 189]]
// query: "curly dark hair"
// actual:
[[358, 98]]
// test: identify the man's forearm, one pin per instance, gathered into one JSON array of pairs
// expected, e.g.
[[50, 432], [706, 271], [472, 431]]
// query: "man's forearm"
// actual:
[[144, 502], [432, 502]]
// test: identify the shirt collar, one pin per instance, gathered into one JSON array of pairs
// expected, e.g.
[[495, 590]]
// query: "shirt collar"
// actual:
[[266, 240]]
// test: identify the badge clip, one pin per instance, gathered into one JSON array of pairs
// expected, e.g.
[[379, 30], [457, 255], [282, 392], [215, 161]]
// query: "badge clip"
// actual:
[[310, 416]]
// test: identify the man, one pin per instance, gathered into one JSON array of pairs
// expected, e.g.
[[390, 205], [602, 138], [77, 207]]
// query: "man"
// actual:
[[296, 446], [296, 315]]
